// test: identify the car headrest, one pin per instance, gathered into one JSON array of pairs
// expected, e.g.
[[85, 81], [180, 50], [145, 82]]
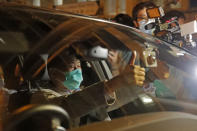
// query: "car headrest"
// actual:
[[46, 73]]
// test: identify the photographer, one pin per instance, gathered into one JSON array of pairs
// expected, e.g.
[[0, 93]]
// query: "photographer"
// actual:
[[140, 16], [150, 19], [161, 72]]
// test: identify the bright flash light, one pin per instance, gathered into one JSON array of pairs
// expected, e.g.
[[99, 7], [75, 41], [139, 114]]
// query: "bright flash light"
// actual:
[[179, 54], [146, 99]]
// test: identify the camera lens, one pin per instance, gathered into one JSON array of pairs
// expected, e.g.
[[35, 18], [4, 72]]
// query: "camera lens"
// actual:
[[151, 59]]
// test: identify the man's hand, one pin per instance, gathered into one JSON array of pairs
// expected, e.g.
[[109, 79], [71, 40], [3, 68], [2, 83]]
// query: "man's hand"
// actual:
[[138, 75], [133, 73], [113, 58]]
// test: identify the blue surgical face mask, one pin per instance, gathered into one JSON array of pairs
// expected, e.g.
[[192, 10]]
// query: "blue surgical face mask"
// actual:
[[73, 79]]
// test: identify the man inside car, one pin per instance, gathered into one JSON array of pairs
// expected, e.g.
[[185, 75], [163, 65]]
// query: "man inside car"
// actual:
[[93, 98], [68, 75]]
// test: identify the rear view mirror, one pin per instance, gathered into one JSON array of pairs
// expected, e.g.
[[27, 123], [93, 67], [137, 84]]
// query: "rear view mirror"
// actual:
[[97, 52]]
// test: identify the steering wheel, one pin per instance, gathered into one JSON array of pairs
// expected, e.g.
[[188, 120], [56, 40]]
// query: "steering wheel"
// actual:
[[54, 112]]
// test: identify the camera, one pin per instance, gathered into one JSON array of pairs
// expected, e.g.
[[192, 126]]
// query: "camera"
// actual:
[[169, 29], [149, 57], [155, 12], [163, 29]]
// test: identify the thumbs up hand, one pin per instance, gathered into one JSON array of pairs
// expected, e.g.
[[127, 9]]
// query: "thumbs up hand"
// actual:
[[135, 74]]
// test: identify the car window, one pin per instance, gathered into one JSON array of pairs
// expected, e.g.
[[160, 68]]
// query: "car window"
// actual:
[[72, 61]]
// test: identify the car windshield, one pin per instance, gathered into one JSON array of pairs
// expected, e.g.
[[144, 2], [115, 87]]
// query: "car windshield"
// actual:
[[82, 65]]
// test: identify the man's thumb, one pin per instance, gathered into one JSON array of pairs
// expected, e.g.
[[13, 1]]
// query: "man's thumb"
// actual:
[[133, 58]]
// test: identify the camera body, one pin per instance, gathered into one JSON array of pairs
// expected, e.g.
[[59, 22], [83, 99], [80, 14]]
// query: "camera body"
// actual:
[[170, 30], [149, 57], [155, 12], [162, 26]]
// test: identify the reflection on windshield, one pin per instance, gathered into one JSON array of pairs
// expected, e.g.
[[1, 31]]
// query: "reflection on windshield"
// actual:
[[112, 72]]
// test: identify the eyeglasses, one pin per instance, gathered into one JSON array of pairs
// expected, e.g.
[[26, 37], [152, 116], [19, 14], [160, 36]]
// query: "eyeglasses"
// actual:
[[142, 18]]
